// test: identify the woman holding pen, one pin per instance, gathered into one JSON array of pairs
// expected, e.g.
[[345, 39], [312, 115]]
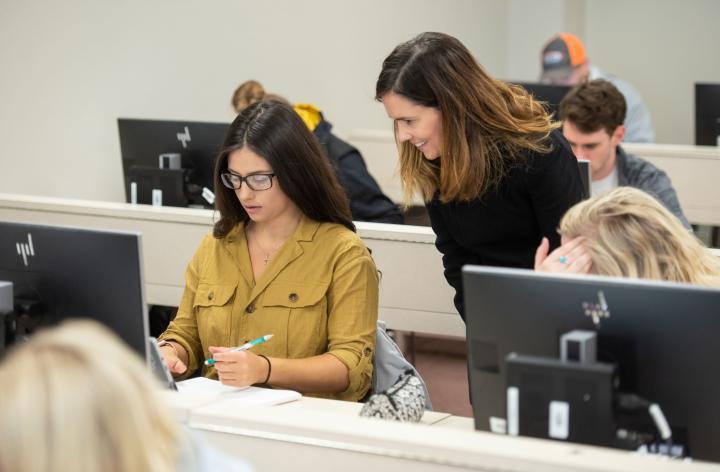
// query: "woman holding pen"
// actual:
[[283, 260], [494, 170]]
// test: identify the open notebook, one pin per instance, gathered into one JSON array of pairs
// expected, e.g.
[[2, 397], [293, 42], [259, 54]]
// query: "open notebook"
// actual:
[[199, 391], [241, 396]]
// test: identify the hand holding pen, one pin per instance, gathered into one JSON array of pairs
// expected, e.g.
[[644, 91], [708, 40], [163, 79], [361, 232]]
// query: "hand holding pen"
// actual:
[[238, 367], [244, 347]]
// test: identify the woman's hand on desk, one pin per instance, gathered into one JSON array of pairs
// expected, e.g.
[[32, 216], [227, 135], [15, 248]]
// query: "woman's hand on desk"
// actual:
[[571, 257], [239, 368], [173, 361]]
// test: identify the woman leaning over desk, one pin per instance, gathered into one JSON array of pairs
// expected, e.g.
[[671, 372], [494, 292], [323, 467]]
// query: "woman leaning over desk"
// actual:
[[284, 260], [494, 170]]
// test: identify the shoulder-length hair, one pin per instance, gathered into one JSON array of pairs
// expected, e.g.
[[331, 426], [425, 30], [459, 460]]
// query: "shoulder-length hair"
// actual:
[[486, 123], [273, 131], [75, 397], [630, 234]]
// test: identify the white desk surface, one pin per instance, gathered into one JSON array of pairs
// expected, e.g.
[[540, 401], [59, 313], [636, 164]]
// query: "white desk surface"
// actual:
[[316, 434], [463, 423], [338, 407]]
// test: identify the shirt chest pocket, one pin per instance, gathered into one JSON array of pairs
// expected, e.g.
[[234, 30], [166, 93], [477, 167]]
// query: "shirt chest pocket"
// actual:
[[213, 309], [304, 307]]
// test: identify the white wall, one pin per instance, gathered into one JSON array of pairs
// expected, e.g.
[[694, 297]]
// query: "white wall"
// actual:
[[530, 24], [69, 69], [662, 47]]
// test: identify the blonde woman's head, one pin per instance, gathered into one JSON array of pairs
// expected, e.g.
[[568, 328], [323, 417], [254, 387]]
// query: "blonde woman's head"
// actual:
[[252, 91], [628, 233], [75, 398]]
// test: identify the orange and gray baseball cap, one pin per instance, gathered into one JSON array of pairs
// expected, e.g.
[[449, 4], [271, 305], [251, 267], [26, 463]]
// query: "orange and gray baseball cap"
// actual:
[[561, 54]]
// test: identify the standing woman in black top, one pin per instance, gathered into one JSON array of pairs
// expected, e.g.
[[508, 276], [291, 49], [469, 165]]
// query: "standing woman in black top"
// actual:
[[493, 168]]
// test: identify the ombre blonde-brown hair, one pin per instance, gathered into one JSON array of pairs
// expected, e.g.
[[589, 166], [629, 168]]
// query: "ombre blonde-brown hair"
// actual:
[[630, 234], [487, 124]]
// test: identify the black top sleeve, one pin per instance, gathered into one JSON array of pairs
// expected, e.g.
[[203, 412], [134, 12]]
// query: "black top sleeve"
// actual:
[[453, 255], [505, 226], [554, 185]]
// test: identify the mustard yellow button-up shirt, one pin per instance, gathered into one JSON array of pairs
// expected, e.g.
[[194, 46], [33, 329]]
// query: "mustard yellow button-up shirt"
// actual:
[[318, 295]]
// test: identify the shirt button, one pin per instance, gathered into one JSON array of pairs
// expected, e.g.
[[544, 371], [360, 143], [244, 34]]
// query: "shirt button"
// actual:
[[211, 295], [368, 351], [250, 308], [293, 297]]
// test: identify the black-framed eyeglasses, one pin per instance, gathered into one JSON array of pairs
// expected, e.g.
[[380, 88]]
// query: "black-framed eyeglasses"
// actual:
[[253, 181]]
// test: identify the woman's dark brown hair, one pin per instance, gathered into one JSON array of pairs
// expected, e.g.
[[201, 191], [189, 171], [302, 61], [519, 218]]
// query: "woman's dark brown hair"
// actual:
[[273, 131], [486, 123]]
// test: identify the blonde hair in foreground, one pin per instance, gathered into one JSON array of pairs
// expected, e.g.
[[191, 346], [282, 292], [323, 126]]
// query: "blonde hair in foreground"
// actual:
[[76, 398], [630, 234]]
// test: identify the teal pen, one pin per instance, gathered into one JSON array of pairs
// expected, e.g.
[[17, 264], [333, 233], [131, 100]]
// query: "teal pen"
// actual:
[[244, 347]]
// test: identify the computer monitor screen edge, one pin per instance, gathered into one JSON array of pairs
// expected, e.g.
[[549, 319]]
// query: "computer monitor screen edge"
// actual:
[[79, 273], [707, 114], [551, 94], [586, 176]]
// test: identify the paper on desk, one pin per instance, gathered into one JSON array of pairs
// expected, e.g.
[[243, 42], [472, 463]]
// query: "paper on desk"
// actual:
[[240, 396], [203, 385]]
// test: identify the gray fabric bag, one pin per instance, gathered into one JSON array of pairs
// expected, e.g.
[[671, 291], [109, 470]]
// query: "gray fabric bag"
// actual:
[[390, 364]]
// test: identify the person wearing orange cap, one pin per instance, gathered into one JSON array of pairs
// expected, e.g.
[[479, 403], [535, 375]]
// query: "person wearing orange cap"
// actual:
[[564, 62]]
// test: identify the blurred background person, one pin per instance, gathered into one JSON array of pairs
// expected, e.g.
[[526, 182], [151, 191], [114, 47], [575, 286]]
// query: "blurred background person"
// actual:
[[592, 116], [564, 63]]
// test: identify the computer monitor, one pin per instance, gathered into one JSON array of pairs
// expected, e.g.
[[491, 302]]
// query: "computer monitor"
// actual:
[[662, 336], [61, 272], [142, 142], [549, 93], [707, 114], [585, 176]]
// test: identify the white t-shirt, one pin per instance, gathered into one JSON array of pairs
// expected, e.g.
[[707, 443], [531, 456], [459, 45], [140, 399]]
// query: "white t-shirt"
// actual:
[[606, 184]]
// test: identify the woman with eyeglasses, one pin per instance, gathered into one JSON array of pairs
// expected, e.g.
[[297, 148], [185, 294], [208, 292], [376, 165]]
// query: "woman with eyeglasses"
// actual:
[[283, 259]]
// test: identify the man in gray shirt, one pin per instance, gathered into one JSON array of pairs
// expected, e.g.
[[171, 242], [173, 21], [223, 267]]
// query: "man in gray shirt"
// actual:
[[592, 116], [564, 62]]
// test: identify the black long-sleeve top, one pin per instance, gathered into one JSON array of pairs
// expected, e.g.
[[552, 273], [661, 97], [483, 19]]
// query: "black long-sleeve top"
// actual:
[[505, 225]]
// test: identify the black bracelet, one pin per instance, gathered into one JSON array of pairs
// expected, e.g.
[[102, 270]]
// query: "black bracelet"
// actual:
[[267, 379]]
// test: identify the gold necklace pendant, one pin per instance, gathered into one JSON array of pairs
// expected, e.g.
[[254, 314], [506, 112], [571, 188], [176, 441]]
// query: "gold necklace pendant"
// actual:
[[268, 254]]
